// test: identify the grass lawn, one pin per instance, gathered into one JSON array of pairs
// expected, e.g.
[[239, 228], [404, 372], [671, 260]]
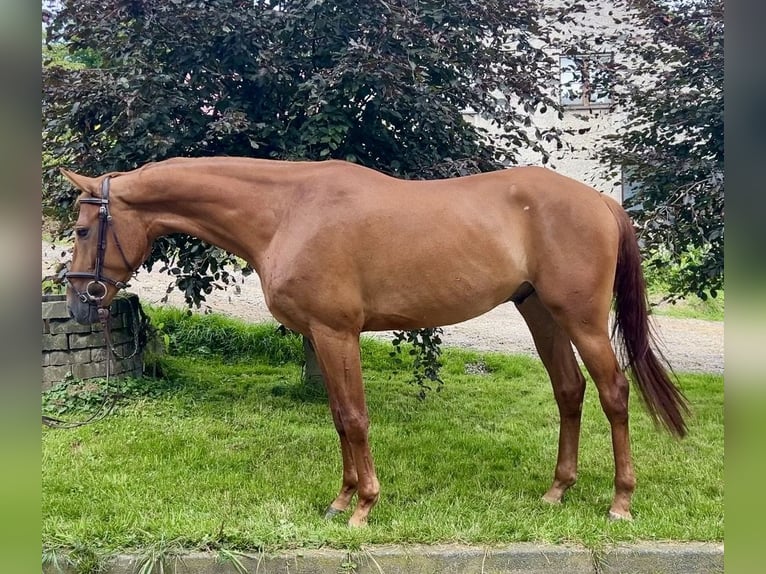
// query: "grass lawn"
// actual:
[[691, 307], [237, 454]]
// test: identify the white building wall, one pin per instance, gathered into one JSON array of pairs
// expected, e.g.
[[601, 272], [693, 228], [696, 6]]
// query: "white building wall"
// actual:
[[584, 127]]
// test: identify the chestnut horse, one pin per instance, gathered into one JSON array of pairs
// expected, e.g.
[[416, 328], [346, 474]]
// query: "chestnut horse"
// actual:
[[342, 249]]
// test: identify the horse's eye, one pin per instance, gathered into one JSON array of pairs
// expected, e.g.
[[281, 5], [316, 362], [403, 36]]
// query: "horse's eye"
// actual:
[[82, 232]]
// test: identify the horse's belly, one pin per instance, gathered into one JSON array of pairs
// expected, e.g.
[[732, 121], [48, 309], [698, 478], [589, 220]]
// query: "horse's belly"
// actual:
[[431, 308]]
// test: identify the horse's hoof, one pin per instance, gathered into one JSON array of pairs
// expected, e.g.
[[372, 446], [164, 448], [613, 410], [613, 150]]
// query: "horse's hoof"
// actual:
[[357, 523], [615, 516], [551, 499], [332, 512]]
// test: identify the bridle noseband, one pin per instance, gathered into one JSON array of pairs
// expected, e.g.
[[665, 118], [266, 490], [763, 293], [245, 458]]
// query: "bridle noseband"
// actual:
[[95, 290]]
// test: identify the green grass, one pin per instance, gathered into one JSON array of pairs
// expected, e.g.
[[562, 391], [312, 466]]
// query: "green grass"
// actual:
[[691, 307], [237, 454]]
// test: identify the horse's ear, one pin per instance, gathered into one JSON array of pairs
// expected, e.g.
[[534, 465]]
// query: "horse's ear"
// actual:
[[81, 182]]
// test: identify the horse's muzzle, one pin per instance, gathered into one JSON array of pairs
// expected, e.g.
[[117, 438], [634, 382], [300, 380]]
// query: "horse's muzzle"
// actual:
[[84, 313]]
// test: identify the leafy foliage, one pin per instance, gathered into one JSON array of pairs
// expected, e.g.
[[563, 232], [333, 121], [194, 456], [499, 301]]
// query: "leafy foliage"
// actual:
[[671, 147], [425, 348], [382, 84]]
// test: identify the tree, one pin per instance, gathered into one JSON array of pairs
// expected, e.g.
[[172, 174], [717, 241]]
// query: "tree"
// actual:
[[378, 83], [671, 147], [381, 83]]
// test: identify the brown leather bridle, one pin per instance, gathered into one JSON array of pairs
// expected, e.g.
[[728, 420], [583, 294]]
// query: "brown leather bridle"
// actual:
[[95, 290], [94, 294]]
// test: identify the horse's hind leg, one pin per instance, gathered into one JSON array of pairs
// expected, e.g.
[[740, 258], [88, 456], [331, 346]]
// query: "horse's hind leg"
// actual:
[[339, 359], [555, 350], [587, 326], [613, 391]]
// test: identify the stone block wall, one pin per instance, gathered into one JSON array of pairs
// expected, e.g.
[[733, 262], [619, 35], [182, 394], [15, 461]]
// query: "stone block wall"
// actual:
[[80, 350]]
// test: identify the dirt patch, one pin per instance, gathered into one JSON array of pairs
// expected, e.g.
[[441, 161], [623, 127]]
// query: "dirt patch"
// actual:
[[690, 345]]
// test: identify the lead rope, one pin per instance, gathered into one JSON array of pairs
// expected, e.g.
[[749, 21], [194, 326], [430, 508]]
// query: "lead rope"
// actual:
[[110, 399]]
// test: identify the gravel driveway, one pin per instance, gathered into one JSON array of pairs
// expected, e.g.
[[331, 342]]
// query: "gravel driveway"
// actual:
[[691, 345]]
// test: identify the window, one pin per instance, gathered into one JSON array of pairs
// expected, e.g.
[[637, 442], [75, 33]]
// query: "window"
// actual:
[[585, 80]]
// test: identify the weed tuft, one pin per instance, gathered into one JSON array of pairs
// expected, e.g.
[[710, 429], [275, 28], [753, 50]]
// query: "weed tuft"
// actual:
[[73, 395]]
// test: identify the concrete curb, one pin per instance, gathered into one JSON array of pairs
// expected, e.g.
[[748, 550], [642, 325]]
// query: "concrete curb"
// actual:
[[520, 558]]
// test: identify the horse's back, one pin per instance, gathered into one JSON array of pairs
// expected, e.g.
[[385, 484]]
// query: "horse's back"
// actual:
[[408, 254]]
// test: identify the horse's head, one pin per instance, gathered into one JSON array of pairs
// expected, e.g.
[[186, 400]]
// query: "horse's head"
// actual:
[[110, 244]]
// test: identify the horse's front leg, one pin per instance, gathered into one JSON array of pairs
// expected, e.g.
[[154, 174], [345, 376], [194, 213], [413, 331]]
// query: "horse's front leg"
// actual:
[[338, 356], [350, 477]]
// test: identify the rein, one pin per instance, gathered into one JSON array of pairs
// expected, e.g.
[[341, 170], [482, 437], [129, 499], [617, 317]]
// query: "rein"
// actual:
[[94, 294], [110, 400]]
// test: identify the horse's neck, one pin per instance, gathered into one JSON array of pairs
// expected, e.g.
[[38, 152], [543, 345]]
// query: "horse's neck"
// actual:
[[238, 209]]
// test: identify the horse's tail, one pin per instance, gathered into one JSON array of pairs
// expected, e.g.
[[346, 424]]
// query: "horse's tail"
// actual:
[[663, 399]]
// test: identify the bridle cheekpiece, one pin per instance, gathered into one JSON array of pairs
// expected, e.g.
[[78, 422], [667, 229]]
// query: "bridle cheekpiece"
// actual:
[[95, 290]]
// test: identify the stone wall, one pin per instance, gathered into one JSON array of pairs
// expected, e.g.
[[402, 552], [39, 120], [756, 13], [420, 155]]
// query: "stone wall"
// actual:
[[69, 347]]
